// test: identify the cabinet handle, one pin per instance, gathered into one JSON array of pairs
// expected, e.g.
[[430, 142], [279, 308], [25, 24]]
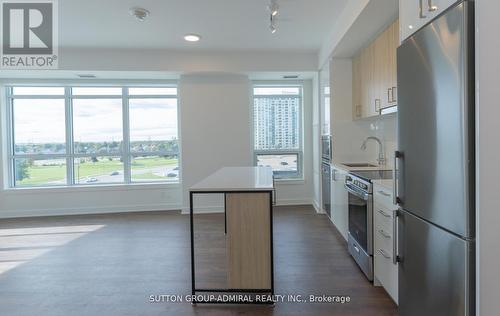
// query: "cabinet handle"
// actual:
[[383, 233], [389, 97], [334, 173], [384, 213], [377, 102], [394, 89], [383, 193], [384, 254], [432, 7], [421, 9]]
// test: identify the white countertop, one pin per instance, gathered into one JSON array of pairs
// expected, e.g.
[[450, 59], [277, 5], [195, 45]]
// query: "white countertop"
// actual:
[[237, 179]]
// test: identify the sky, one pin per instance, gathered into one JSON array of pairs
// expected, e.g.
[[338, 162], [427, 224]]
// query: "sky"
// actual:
[[43, 120]]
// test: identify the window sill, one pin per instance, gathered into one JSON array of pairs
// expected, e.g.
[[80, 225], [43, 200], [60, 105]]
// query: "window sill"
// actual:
[[92, 188]]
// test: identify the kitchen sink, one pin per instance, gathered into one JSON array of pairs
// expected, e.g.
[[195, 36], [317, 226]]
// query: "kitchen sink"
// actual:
[[359, 165]]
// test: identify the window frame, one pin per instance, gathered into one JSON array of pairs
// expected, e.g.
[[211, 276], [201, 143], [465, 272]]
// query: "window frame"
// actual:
[[126, 153], [300, 151]]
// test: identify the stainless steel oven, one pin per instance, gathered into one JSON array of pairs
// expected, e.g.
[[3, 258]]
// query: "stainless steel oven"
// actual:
[[360, 233]]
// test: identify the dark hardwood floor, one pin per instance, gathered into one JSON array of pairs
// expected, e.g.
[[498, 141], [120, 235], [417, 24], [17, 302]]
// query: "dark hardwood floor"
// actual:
[[111, 264]]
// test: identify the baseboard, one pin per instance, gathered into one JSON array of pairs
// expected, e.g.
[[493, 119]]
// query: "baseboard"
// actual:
[[288, 202], [220, 209], [130, 208], [90, 210], [317, 207]]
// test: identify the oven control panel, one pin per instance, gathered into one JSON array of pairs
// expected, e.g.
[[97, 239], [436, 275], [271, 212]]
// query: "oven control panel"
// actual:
[[362, 184]]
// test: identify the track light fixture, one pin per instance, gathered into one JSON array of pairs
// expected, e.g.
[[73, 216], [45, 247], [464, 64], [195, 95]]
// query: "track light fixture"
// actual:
[[274, 7], [273, 10], [272, 25]]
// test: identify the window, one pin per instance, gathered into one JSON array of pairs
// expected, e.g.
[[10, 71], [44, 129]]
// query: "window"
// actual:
[[278, 129], [92, 135]]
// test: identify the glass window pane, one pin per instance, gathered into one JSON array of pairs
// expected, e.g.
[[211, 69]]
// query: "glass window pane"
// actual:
[[276, 123], [153, 125], [39, 126], [155, 168], [276, 91], [284, 166], [98, 170], [96, 91], [97, 126], [38, 90], [153, 91], [40, 172]]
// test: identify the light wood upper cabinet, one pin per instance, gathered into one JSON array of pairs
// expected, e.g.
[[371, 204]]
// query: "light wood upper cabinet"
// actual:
[[413, 14], [374, 74]]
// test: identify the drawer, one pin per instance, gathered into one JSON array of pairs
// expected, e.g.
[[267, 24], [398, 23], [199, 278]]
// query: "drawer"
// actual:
[[384, 269], [383, 238], [383, 216], [387, 273], [383, 196]]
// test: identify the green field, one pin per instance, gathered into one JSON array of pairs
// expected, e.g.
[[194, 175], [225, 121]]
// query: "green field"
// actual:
[[55, 174]]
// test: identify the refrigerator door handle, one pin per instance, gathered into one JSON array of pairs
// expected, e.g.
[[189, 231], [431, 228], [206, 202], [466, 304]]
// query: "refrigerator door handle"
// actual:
[[395, 199], [395, 258]]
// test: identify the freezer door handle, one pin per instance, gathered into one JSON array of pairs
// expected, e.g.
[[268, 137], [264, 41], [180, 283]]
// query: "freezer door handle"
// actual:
[[395, 198], [395, 257]]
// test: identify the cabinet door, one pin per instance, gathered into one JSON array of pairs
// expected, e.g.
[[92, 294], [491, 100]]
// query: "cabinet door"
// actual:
[[412, 15], [383, 69], [393, 44], [436, 7], [370, 82], [356, 87], [339, 202]]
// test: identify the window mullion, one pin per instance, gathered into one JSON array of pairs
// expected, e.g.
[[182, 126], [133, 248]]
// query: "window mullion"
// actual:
[[10, 136], [70, 161], [126, 137]]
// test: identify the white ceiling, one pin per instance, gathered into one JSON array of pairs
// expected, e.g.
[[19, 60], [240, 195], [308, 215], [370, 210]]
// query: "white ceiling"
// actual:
[[225, 25]]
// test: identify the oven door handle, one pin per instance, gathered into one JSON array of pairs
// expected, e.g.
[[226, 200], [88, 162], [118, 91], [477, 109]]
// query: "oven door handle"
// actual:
[[363, 196]]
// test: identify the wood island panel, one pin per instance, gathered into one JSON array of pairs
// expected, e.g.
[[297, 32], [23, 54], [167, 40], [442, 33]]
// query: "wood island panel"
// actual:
[[248, 240]]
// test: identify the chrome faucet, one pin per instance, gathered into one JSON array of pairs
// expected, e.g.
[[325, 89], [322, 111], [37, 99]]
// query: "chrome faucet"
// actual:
[[381, 156]]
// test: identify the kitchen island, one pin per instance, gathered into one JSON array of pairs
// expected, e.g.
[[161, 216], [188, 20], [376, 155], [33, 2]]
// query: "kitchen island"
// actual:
[[248, 225]]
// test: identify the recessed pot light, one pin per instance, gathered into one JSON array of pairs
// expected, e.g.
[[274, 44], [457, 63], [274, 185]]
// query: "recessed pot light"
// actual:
[[192, 37]]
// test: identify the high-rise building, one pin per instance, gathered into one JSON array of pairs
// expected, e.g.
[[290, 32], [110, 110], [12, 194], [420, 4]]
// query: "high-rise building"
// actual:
[[276, 122]]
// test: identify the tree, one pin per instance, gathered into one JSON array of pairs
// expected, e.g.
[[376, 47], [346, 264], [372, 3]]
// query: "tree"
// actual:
[[22, 170]]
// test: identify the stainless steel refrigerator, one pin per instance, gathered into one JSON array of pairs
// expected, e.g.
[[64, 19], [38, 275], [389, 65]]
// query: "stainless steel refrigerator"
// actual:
[[435, 185]]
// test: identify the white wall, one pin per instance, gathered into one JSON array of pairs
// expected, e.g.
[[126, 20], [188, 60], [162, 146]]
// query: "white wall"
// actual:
[[215, 128], [488, 156], [216, 131]]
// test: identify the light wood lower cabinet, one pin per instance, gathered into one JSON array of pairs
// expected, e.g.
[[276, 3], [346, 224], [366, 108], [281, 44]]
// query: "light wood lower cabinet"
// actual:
[[248, 220], [386, 272]]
